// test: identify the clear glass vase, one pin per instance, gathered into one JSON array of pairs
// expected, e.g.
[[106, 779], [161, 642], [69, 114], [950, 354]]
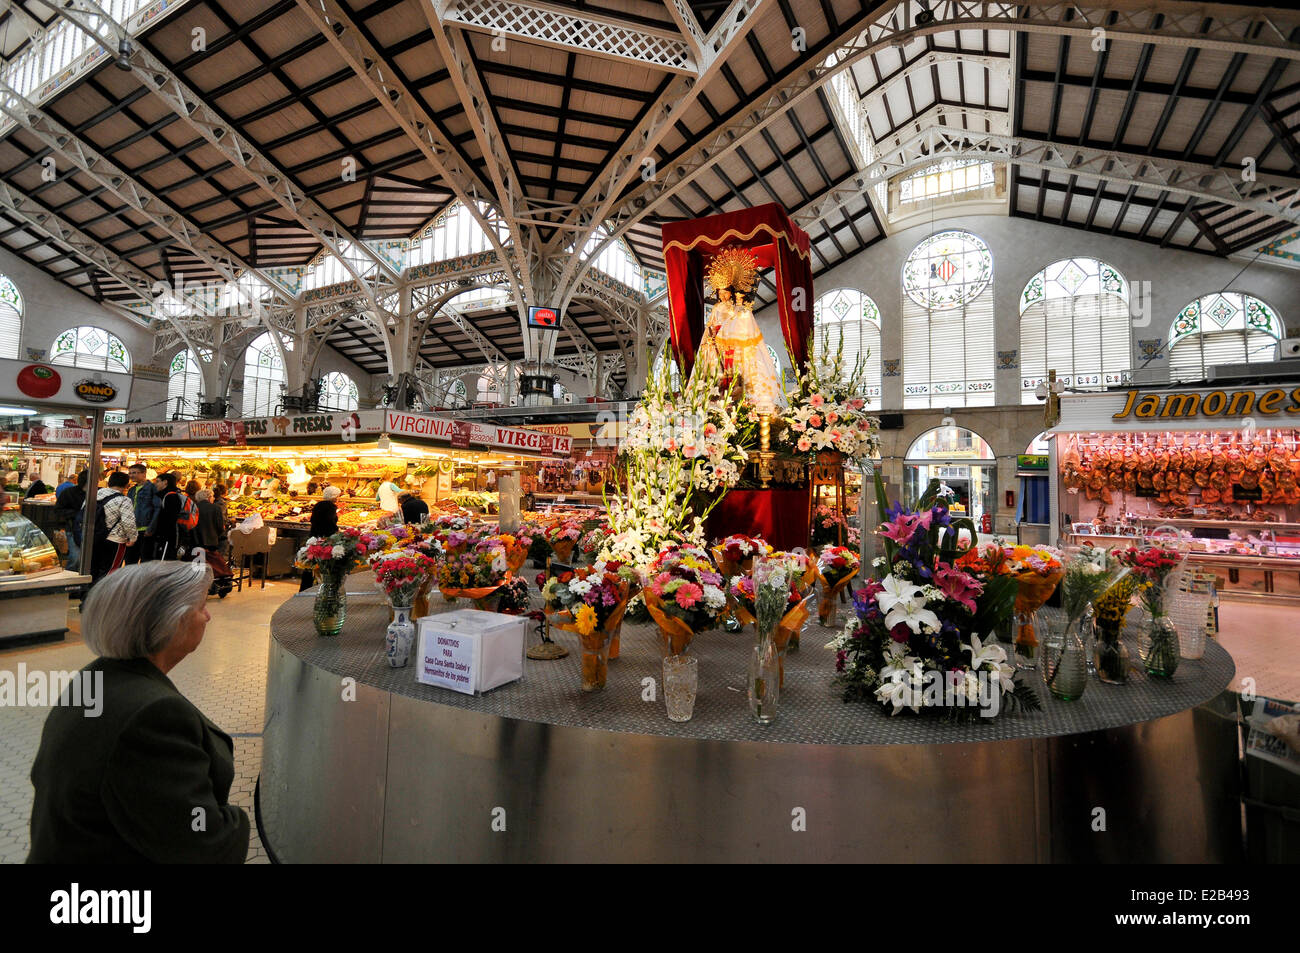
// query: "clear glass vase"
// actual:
[[1028, 633], [1111, 661], [331, 608], [1158, 646], [681, 682], [764, 680], [1063, 662], [400, 637], [595, 660]]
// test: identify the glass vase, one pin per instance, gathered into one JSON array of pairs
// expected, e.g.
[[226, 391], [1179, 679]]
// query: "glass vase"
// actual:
[[1063, 662], [595, 660], [1158, 646], [331, 608], [400, 637], [1111, 661], [764, 680], [1027, 630], [681, 682]]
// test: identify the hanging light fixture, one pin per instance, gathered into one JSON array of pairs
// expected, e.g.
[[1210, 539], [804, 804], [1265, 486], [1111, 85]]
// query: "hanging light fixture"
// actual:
[[124, 51]]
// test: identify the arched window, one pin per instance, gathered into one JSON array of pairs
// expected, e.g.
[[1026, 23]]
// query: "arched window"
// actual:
[[457, 394], [1074, 318], [264, 376], [184, 383], [11, 318], [948, 322], [492, 385], [1226, 327], [92, 348], [856, 316], [338, 392], [667, 357]]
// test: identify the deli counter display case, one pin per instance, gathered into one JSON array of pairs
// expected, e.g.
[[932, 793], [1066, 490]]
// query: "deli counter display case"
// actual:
[[1229, 489], [35, 589]]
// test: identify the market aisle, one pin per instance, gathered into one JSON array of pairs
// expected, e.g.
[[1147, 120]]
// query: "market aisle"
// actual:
[[225, 678]]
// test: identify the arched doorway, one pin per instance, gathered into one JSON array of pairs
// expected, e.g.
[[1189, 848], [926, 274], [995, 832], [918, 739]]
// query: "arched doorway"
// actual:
[[960, 460]]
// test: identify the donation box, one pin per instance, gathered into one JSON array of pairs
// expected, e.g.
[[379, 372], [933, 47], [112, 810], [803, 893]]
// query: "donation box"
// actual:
[[471, 651]]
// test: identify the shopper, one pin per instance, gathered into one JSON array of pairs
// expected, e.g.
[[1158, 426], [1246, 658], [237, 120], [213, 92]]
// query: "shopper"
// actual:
[[147, 503], [37, 488], [220, 502], [70, 504], [115, 528], [414, 509], [211, 531], [324, 522], [165, 529], [147, 780], [67, 481]]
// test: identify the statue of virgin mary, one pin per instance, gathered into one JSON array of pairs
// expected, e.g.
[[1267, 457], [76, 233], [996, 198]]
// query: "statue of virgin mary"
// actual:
[[732, 337]]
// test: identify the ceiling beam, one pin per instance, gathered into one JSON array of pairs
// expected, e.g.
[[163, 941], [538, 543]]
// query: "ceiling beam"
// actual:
[[1271, 195], [1248, 29]]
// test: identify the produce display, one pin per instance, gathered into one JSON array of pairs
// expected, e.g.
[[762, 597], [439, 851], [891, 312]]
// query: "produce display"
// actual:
[[1224, 476]]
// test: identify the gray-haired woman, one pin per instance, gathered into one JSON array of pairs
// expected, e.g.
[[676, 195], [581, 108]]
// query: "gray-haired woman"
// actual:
[[136, 773]]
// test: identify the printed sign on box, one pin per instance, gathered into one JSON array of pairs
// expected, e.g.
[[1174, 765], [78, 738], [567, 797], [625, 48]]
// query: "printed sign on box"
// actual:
[[470, 651], [449, 659]]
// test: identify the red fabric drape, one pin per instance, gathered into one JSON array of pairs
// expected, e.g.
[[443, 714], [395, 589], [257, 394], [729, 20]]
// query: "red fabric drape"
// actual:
[[777, 243]]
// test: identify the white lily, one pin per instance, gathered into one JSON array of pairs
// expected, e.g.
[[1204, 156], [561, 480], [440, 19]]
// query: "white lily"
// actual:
[[980, 654], [916, 616], [897, 592]]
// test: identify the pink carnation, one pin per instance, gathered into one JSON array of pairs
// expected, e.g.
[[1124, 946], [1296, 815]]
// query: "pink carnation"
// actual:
[[816, 400], [815, 420]]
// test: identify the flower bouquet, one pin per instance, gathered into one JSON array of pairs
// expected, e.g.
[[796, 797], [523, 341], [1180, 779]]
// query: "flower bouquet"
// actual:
[[735, 554], [1157, 567], [590, 543], [563, 537], [825, 412], [331, 559], [798, 573], [1096, 581], [827, 524], [512, 597], [684, 596], [400, 575], [593, 599], [516, 546], [917, 642], [474, 573], [836, 567], [1037, 571]]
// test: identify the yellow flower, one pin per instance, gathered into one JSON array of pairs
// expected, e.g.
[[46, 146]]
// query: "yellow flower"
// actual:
[[586, 619]]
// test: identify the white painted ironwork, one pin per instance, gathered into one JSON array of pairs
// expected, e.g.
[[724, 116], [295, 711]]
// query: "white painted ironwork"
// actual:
[[1271, 195], [588, 32], [1245, 29]]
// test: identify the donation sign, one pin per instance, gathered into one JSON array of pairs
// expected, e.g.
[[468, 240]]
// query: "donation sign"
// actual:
[[449, 659]]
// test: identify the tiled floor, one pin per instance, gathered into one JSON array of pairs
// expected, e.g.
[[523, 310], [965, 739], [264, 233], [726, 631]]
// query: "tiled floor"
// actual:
[[226, 679]]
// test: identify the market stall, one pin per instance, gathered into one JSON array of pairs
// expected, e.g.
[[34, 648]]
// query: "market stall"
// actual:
[[1217, 468], [277, 467], [35, 588]]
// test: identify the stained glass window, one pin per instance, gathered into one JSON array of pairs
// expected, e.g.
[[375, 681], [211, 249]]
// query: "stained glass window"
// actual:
[[1074, 317], [264, 376], [948, 322], [93, 348], [338, 392], [184, 384], [947, 177], [11, 318], [1226, 327], [856, 315], [458, 394]]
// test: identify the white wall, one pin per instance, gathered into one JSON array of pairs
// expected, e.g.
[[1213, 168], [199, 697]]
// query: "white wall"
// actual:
[[1021, 248], [51, 307]]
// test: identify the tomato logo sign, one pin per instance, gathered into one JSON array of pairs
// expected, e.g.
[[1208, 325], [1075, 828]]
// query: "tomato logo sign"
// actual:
[[39, 381], [95, 392], [547, 318]]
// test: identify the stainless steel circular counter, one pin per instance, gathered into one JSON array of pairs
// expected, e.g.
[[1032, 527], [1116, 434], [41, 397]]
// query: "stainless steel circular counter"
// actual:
[[362, 763]]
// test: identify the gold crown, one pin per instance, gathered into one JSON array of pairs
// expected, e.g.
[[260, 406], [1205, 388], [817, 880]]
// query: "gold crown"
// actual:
[[732, 269]]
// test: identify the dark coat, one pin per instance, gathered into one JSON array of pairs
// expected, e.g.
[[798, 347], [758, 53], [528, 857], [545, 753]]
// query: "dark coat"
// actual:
[[212, 525], [164, 532], [324, 518], [130, 785], [414, 510]]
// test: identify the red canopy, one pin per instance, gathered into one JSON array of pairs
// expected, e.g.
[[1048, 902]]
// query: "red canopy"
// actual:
[[777, 243]]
